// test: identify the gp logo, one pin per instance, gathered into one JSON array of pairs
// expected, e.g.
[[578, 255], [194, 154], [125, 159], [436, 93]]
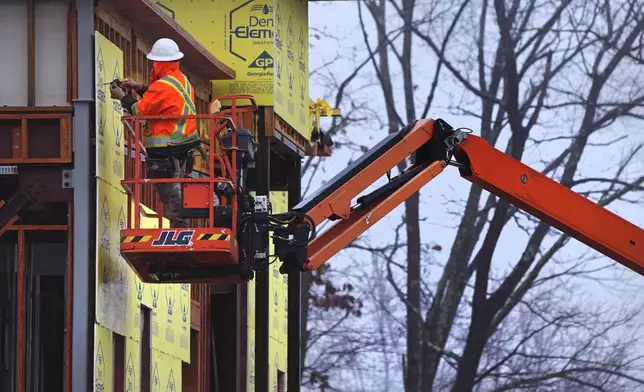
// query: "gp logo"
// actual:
[[174, 238]]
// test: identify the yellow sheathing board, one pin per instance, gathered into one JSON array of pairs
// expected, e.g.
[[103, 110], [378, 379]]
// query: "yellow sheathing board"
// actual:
[[157, 317], [182, 323], [251, 360], [148, 222], [239, 33], [291, 54], [109, 128], [283, 314], [277, 282], [275, 289], [104, 362], [265, 41], [119, 292], [103, 359], [278, 290], [277, 349], [137, 291], [278, 362], [112, 270], [251, 298], [174, 377], [174, 315], [251, 304], [144, 294], [159, 372], [166, 313], [132, 366], [166, 372]]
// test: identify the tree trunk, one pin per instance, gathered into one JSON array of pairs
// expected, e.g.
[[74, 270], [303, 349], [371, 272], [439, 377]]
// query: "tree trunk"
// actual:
[[469, 363], [412, 217], [440, 316], [414, 322]]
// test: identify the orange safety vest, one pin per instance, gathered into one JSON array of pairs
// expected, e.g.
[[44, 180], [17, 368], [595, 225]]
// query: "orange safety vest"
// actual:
[[169, 95]]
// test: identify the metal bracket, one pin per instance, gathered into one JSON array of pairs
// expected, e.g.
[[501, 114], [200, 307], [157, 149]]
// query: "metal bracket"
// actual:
[[68, 181], [455, 139], [451, 142], [8, 170]]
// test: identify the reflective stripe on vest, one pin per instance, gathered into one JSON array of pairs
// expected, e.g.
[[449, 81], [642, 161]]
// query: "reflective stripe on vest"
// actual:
[[184, 91], [177, 136], [135, 110]]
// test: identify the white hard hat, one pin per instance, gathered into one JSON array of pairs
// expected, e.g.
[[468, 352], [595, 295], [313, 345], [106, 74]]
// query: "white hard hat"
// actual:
[[164, 49]]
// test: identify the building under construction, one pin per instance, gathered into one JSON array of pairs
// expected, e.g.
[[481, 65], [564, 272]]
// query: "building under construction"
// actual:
[[74, 316]]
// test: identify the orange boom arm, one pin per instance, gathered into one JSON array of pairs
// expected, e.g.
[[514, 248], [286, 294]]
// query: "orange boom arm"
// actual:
[[432, 144], [552, 202]]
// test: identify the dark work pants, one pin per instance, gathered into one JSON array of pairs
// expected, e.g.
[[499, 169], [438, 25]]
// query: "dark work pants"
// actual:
[[169, 192]]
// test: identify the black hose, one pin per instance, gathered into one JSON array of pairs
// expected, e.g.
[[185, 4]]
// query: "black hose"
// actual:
[[290, 214]]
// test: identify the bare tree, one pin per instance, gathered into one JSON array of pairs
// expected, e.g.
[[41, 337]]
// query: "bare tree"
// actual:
[[526, 70], [534, 54], [329, 301], [383, 52]]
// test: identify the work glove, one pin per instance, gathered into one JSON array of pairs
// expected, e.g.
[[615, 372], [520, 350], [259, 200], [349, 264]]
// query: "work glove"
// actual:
[[116, 92], [132, 85]]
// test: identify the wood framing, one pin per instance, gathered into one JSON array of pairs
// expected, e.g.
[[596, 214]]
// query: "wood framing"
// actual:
[[51, 131], [22, 257], [275, 123], [72, 68], [275, 126]]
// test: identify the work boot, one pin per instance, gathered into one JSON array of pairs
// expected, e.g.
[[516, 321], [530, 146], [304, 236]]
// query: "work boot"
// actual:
[[179, 223]]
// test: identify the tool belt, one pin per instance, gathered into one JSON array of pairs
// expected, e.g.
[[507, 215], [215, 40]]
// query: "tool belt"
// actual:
[[165, 167], [163, 162]]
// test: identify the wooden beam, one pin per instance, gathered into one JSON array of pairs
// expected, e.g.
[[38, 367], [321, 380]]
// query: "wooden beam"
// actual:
[[16, 143], [38, 228], [24, 139], [9, 224], [72, 65], [66, 139], [15, 112], [195, 315], [11, 221]]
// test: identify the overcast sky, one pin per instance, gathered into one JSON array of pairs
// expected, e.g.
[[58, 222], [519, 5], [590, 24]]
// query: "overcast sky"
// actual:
[[340, 19]]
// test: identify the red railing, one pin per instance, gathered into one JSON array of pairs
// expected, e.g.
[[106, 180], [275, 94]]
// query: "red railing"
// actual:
[[226, 120], [235, 111]]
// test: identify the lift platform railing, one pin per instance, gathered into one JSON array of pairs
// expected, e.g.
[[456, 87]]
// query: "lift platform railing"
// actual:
[[227, 120], [235, 111]]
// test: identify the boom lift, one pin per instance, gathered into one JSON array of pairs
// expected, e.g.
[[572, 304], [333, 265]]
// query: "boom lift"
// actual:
[[433, 146]]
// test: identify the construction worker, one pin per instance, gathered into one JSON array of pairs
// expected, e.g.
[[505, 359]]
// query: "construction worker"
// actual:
[[169, 143]]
